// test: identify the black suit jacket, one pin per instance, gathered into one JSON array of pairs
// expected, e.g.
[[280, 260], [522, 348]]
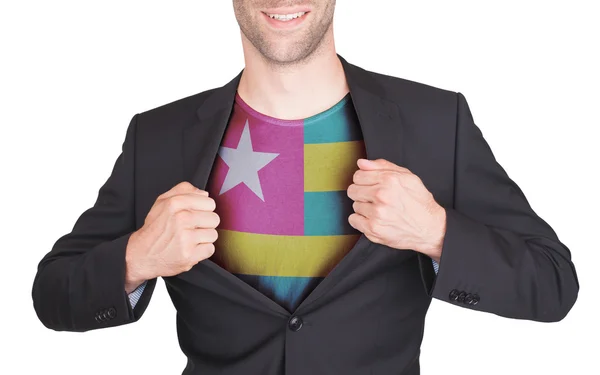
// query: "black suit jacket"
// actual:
[[367, 316]]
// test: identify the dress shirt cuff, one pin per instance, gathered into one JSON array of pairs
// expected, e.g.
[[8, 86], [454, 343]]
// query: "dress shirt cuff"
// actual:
[[134, 296]]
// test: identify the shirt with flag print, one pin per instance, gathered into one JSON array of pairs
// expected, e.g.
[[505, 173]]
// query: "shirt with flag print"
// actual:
[[280, 188], [280, 192]]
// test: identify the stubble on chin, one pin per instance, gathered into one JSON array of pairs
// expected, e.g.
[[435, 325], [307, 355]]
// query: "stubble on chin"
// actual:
[[298, 52]]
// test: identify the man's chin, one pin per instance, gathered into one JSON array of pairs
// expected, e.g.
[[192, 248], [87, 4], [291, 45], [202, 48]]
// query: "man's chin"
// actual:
[[285, 60], [286, 55]]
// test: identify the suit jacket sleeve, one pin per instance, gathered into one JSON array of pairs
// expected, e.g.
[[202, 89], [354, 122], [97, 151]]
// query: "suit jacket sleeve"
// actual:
[[80, 283], [498, 255]]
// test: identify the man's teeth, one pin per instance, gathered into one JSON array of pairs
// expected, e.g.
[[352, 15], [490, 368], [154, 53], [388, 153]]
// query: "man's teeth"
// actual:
[[286, 17]]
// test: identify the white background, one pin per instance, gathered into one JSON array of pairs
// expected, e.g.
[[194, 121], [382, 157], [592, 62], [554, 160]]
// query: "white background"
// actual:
[[74, 73]]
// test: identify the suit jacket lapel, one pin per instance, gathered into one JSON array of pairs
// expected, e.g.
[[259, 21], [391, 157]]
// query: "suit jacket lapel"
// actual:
[[201, 138], [381, 125], [379, 118], [201, 141]]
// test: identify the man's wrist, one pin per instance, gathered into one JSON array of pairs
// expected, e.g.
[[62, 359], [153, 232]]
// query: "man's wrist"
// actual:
[[134, 277], [435, 242]]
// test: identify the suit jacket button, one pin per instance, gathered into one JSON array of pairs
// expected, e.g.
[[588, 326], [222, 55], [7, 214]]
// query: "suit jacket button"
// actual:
[[295, 324], [112, 312], [475, 300], [469, 299], [453, 296], [461, 296]]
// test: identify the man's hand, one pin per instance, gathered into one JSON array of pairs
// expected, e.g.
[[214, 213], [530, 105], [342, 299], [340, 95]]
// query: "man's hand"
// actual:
[[392, 207], [179, 231]]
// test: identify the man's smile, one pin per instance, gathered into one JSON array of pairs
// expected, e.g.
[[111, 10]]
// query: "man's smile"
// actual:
[[284, 18]]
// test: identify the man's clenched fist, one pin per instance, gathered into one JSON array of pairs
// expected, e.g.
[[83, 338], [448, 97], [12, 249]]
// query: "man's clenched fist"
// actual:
[[178, 232], [393, 207]]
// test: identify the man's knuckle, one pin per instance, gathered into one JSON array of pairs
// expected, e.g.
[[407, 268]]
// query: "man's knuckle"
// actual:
[[379, 210], [381, 194], [389, 178], [181, 218], [174, 204], [412, 179], [185, 185]]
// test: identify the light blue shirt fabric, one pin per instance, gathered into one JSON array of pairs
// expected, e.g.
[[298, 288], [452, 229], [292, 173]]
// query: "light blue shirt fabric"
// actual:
[[134, 296]]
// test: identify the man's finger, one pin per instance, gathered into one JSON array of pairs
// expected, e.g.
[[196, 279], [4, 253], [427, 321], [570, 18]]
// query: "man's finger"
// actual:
[[366, 177], [379, 164], [182, 188], [203, 251], [191, 202], [363, 209], [358, 222], [360, 193]]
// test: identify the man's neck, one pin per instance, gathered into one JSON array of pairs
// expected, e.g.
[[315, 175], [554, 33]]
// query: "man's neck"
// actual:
[[294, 91]]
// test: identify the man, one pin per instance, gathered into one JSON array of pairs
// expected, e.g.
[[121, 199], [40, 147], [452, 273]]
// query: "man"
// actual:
[[299, 214]]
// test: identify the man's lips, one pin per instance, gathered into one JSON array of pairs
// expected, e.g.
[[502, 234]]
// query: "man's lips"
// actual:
[[285, 23]]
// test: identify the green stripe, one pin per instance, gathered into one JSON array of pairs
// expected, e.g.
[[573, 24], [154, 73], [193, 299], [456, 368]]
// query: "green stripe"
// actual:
[[338, 124], [326, 213]]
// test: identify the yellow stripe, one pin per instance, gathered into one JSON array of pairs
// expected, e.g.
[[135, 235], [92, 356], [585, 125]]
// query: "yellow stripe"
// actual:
[[330, 166], [275, 255]]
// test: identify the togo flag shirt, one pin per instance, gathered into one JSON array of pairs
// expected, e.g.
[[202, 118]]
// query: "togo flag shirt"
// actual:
[[280, 190]]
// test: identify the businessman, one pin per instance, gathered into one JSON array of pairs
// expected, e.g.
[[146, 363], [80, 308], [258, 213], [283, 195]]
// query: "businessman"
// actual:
[[304, 215]]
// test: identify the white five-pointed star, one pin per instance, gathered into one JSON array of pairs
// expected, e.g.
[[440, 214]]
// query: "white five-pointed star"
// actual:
[[244, 164]]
